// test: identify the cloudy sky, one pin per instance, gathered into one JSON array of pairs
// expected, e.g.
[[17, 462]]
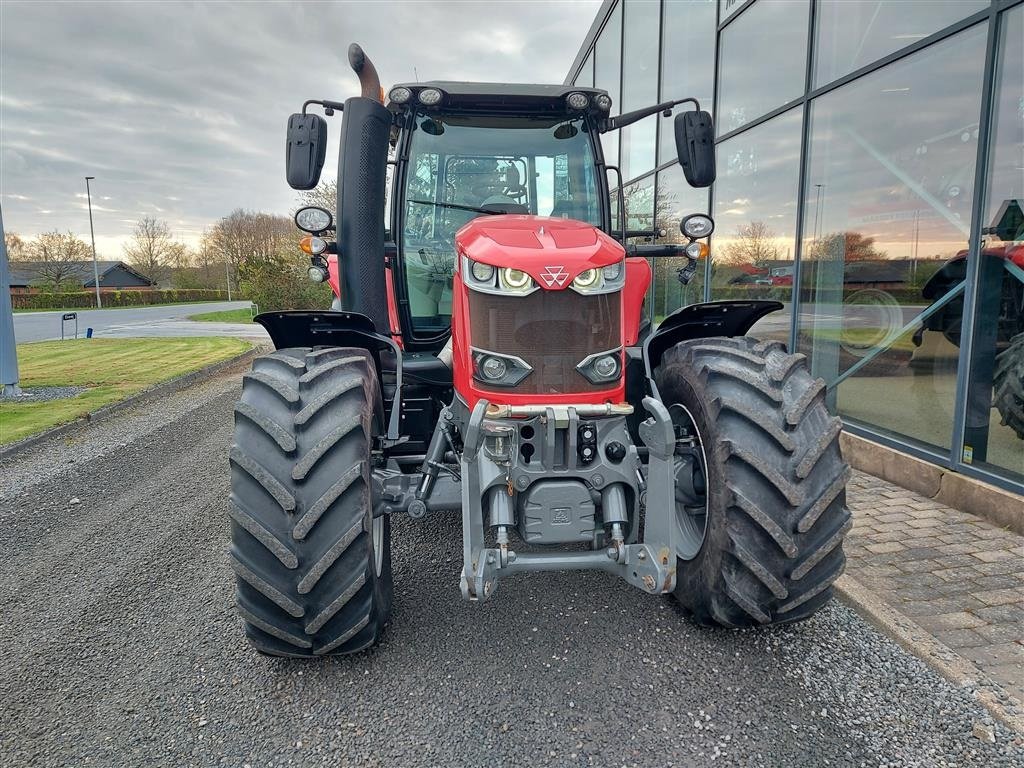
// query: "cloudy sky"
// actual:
[[179, 108]]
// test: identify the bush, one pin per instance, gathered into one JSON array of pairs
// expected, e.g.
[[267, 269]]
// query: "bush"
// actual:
[[274, 287], [87, 299]]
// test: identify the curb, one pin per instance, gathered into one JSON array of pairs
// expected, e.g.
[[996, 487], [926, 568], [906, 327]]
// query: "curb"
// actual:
[[951, 665], [158, 390], [1000, 507]]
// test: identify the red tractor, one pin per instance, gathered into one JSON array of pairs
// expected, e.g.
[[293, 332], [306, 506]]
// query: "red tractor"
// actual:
[[487, 352]]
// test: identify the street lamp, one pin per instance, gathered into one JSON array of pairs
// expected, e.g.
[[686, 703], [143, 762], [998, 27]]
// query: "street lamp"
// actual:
[[92, 236]]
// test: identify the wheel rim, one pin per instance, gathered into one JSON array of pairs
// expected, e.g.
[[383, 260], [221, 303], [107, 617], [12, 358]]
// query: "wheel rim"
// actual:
[[377, 534], [691, 512]]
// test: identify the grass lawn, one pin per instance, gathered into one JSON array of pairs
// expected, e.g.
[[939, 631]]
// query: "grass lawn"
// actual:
[[112, 369], [242, 315]]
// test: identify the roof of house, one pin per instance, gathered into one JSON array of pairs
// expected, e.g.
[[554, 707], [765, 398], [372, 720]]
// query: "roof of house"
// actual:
[[25, 273]]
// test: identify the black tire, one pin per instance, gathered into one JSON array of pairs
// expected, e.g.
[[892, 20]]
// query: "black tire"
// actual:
[[311, 578], [1008, 385], [776, 482]]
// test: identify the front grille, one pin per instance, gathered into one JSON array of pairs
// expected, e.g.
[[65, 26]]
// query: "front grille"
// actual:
[[551, 330]]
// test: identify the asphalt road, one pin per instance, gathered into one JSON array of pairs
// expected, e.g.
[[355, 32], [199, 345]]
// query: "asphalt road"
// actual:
[[169, 320], [119, 646]]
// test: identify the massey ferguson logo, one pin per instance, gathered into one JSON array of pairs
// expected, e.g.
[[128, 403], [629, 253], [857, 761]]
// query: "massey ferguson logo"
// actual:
[[553, 276]]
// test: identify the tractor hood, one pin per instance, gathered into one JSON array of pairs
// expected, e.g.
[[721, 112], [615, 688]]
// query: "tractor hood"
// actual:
[[552, 251]]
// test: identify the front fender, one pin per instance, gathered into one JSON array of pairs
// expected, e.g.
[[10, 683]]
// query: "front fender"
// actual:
[[305, 328], [714, 318]]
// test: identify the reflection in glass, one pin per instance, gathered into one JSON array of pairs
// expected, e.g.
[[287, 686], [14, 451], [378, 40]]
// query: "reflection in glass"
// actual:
[[854, 33], [639, 84], [994, 433], [755, 218], [762, 61], [585, 77], [887, 203], [675, 199], [607, 71], [687, 61]]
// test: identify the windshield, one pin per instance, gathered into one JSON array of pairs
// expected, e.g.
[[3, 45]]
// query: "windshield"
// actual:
[[459, 167]]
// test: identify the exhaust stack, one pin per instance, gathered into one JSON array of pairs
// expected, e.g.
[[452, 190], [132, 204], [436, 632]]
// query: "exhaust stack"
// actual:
[[362, 164]]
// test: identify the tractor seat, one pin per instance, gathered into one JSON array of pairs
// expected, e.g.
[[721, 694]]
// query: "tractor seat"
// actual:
[[425, 368]]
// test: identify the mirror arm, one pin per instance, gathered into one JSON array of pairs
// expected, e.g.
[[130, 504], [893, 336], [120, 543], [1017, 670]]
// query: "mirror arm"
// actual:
[[614, 123], [329, 106]]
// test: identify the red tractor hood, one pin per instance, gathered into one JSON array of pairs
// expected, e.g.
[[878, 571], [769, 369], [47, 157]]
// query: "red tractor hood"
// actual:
[[552, 251]]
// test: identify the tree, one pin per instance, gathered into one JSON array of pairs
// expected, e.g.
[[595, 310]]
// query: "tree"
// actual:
[[62, 260], [325, 196], [754, 244], [153, 249], [848, 246], [17, 249], [265, 260]]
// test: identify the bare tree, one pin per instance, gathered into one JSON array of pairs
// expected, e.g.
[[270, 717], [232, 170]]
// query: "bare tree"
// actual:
[[848, 246], [17, 248], [248, 239], [325, 196], [754, 244], [61, 260], [153, 249]]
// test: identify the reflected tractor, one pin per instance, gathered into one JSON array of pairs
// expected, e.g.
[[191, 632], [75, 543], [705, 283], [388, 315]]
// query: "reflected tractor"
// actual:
[[488, 354]]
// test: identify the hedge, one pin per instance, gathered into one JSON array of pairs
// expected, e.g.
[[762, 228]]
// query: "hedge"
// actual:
[[86, 299]]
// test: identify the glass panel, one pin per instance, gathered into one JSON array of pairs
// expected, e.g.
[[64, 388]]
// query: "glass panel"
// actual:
[[675, 199], [854, 33], [755, 218], [995, 407], [639, 83], [585, 77], [762, 61], [607, 72], [729, 7], [687, 61], [459, 163], [887, 203]]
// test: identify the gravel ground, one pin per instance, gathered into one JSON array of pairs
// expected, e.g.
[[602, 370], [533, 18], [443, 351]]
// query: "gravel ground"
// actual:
[[45, 394], [119, 646]]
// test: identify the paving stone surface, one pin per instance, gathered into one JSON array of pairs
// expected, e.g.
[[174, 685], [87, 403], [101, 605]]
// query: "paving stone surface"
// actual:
[[955, 575]]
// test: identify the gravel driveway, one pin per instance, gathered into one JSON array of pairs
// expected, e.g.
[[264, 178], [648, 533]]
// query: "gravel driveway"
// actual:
[[119, 646]]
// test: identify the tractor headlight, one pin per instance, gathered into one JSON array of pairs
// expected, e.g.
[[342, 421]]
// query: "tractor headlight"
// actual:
[[602, 367], [515, 280], [400, 94], [600, 279], [496, 370], [493, 368], [483, 273], [430, 97], [577, 100], [603, 102], [697, 225], [612, 272]]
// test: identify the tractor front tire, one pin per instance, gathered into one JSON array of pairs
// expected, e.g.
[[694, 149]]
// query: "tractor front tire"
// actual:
[[312, 563], [1008, 385], [775, 494]]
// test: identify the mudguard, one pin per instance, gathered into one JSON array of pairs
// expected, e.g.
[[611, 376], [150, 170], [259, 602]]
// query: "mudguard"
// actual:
[[305, 328], [714, 318]]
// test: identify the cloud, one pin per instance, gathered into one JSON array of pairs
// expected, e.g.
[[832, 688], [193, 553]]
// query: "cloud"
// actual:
[[180, 109]]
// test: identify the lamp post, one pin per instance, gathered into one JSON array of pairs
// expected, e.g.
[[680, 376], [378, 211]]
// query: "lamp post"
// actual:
[[92, 236]]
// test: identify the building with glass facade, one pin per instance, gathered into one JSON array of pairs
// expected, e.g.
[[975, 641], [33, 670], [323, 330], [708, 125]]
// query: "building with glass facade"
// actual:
[[870, 177]]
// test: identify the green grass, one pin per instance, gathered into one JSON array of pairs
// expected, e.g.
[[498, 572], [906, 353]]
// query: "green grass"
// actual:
[[243, 315], [112, 369]]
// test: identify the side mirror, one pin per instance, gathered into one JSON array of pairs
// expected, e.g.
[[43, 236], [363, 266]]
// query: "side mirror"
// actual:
[[695, 143], [306, 150]]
